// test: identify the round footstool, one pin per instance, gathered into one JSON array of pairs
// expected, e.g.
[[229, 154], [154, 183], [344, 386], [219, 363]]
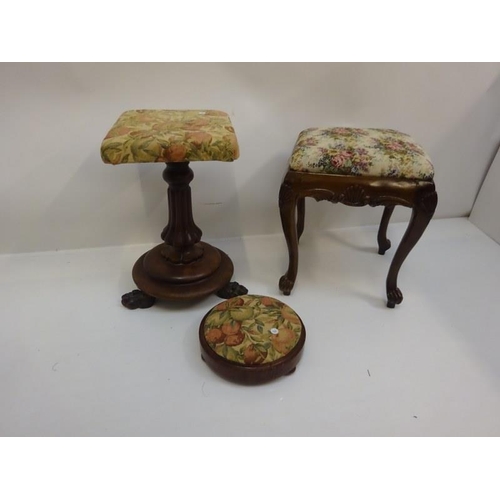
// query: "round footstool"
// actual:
[[252, 339]]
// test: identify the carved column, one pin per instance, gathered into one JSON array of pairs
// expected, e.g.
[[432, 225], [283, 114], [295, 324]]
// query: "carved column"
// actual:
[[181, 235]]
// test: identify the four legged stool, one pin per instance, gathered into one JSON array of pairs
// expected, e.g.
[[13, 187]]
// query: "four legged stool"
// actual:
[[183, 267], [358, 167]]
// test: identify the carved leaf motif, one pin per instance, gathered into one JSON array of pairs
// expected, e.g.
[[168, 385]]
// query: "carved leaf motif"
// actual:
[[325, 195], [355, 196], [394, 296], [137, 299], [428, 202], [232, 289], [286, 284], [287, 194]]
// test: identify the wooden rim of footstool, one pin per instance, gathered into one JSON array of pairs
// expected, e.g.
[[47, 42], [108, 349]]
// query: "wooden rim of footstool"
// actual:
[[251, 374]]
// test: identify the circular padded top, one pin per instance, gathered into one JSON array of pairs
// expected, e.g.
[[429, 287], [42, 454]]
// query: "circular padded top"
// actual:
[[252, 329]]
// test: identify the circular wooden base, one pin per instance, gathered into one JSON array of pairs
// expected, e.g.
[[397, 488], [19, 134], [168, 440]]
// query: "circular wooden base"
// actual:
[[252, 375], [202, 277]]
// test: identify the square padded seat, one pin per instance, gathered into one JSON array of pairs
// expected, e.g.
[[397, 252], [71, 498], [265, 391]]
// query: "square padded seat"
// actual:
[[162, 135], [360, 151]]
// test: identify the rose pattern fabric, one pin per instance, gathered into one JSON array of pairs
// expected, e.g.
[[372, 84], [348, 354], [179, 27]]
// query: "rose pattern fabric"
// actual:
[[360, 151], [252, 329], [160, 135]]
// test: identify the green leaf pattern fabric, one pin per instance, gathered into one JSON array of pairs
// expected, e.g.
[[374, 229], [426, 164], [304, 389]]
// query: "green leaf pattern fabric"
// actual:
[[360, 151], [252, 329], [160, 135]]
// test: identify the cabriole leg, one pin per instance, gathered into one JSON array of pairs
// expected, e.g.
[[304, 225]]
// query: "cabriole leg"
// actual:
[[422, 214], [288, 207], [383, 243]]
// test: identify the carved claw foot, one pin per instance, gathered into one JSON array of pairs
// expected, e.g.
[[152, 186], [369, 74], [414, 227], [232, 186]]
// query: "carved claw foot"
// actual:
[[286, 285], [232, 289], [137, 299], [384, 247], [394, 297]]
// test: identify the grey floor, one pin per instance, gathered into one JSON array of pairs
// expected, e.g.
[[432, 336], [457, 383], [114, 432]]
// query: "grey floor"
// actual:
[[73, 361]]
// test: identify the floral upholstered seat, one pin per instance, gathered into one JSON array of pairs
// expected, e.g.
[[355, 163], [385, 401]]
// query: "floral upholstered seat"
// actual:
[[252, 329], [360, 151], [152, 135]]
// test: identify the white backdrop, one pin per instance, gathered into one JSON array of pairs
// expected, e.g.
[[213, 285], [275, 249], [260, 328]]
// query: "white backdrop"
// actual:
[[56, 193], [486, 210]]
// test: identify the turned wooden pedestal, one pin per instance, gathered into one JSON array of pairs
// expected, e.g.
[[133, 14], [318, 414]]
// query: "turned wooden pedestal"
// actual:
[[182, 267]]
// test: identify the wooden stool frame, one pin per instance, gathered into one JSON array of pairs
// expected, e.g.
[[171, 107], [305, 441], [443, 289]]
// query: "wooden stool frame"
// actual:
[[356, 191]]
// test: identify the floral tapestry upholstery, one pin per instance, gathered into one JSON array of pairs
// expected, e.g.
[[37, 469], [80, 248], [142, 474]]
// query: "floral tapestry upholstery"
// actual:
[[252, 329], [360, 151], [161, 135]]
